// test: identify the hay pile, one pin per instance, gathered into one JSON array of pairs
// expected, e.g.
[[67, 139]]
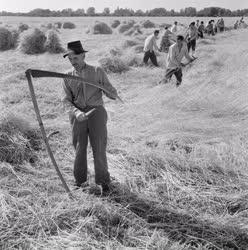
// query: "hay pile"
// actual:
[[53, 44], [101, 28], [58, 25], [113, 64], [18, 141], [148, 24], [125, 26], [115, 24], [139, 48], [69, 25], [129, 43], [32, 42], [22, 27], [8, 39], [134, 31]]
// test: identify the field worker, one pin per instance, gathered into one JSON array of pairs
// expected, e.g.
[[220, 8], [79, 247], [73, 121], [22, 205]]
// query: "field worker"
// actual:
[[165, 40], [210, 28], [197, 23], [149, 47], [236, 25], [177, 52], [78, 99], [221, 25], [192, 35], [201, 30], [174, 27]]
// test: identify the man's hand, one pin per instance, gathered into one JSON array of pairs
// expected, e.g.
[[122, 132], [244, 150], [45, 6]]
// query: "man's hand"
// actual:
[[81, 116]]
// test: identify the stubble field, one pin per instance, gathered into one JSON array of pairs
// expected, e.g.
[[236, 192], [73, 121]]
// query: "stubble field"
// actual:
[[178, 155]]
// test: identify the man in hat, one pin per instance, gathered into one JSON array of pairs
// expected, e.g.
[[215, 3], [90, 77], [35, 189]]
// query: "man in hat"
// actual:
[[174, 64], [79, 99]]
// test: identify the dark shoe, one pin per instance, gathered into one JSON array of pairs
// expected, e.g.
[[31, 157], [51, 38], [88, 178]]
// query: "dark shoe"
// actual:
[[82, 185], [105, 187], [178, 84]]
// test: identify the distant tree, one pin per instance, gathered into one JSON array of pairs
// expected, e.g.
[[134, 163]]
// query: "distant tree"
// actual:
[[139, 13], [190, 11], [91, 11], [106, 12], [67, 12], [79, 12], [158, 12], [123, 12], [40, 12]]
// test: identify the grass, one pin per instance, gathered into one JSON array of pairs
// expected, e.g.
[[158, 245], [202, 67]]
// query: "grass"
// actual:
[[178, 155]]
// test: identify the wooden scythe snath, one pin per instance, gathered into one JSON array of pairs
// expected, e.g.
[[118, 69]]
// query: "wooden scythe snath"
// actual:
[[41, 73]]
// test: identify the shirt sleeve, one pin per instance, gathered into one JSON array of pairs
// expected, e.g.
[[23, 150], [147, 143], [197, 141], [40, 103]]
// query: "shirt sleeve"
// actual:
[[67, 98], [173, 57], [110, 92]]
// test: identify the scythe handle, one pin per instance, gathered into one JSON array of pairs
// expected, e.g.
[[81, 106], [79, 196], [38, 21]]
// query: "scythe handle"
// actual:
[[43, 132]]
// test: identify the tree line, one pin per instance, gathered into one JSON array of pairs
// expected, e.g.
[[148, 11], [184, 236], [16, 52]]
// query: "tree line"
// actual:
[[189, 11]]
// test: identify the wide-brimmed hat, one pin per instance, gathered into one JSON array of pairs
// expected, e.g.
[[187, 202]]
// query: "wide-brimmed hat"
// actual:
[[75, 47]]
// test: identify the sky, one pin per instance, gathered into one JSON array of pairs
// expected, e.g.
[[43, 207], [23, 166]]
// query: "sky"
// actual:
[[27, 5]]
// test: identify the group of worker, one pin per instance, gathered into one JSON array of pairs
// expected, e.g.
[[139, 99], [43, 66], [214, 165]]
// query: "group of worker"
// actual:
[[178, 46]]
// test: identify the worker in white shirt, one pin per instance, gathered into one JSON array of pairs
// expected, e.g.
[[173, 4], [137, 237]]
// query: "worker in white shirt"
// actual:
[[174, 27], [149, 47], [177, 52]]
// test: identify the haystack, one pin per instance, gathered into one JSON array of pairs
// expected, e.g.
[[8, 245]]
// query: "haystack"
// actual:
[[69, 25], [8, 39], [101, 28], [113, 64], [115, 24], [134, 31], [53, 44], [58, 25], [33, 42], [22, 27], [148, 24], [125, 26], [129, 43], [18, 140]]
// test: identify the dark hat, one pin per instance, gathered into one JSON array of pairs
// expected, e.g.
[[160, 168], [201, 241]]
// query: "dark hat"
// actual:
[[76, 47]]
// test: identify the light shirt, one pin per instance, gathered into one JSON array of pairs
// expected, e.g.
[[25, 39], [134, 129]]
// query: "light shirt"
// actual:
[[150, 43], [174, 28], [79, 95], [193, 33], [175, 56]]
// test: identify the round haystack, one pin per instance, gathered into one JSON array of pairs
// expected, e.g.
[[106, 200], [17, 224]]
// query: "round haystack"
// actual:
[[115, 24], [101, 28], [69, 25], [18, 140], [8, 39], [32, 42], [22, 27], [53, 44], [148, 24], [125, 26], [134, 31], [113, 64], [58, 25]]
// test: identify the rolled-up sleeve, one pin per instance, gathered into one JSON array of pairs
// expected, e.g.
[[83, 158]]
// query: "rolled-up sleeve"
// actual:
[[110, 92]]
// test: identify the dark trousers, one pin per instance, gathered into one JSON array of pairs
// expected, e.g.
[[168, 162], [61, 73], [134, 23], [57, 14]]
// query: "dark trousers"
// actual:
[[150, 55], [177, 72], [94, 128], [191, 44]]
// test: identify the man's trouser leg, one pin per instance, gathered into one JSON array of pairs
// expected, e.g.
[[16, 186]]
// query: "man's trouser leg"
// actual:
[[146, 57], [178, 74], [154, 58], [98, 139], [80, 142]]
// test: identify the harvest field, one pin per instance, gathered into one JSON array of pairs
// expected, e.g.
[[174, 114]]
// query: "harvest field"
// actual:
[[178, 156]]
